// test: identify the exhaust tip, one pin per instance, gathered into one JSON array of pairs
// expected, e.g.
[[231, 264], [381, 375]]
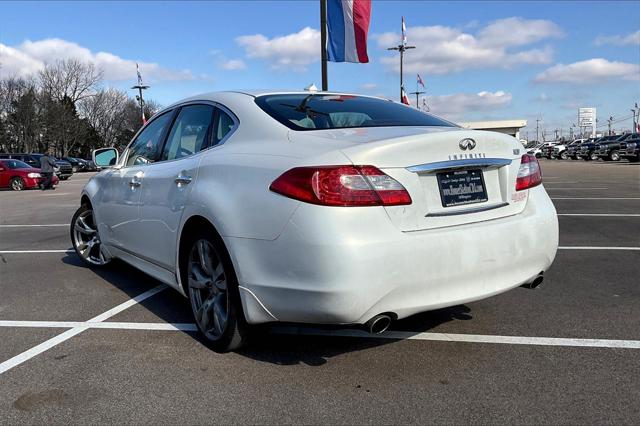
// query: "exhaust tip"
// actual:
[[378, 324], [535, 283]]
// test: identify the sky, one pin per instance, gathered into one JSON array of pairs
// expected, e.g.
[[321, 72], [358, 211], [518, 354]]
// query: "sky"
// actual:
[[479, 60]]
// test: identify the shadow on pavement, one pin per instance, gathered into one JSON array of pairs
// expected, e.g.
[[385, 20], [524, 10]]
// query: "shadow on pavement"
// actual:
[[266, 344]]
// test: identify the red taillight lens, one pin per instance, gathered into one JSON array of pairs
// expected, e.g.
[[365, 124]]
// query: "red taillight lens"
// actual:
[[346, 186], [529, 174]]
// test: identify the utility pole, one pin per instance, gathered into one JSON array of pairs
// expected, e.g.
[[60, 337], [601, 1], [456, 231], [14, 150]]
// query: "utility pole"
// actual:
[[323, 44], [402, 47], [537, 129], [609, 123], [636, 113]]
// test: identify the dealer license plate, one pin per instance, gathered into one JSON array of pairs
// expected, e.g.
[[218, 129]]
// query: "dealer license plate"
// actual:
[[461, 187]]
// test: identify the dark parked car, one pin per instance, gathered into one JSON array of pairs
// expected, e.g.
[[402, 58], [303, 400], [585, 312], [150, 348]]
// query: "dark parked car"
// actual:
[[587, 149], [630, 149], [77, 165], [610, 150], [63, 169]]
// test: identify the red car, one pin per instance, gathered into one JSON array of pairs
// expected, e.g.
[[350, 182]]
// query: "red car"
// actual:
[[17, 175]]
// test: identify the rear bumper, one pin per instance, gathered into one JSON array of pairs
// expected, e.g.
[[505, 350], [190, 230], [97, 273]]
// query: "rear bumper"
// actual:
[[339, 266]]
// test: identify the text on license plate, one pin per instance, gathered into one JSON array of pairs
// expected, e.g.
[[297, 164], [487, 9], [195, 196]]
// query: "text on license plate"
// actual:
[[461, 187]]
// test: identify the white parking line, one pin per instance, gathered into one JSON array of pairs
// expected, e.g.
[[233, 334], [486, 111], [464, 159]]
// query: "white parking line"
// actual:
[[598, 248], [55, 193], [34, 251], [601, 214], [395, 335], [595, 198], [468, 338], [551, 188], [54, 341], [32, 226]]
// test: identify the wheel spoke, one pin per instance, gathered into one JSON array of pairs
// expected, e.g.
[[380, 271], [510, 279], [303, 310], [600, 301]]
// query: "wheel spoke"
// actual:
[[204, 256], [219, 278], [203, 315], [198, 280], [219, 313]]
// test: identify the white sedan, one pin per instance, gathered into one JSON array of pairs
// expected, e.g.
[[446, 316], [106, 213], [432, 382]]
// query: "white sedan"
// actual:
[[315, 207]]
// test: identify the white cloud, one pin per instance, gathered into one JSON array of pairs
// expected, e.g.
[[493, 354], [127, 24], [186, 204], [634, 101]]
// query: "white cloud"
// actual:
[[444, 50], [594, 70], [233, 65], [294, 51], [457, 105], [619, 40], [369, 86], [31, 56]]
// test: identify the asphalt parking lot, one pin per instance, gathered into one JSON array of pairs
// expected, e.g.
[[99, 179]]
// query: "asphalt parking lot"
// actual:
[[113, 346]]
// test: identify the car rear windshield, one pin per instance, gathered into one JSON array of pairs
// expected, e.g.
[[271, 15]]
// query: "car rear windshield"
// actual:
[[320, 111]]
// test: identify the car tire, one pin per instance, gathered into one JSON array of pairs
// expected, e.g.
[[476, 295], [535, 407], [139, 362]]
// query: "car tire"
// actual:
[[593, 156], [64, 177], [634, 159], [213, 292], [85, 238], [17, 184], [564, 156], [74, 169], [614, 155]]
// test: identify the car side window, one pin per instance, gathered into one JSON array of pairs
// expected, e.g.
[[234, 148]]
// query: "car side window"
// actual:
[[190, 132], [223, 125], [147, 146]]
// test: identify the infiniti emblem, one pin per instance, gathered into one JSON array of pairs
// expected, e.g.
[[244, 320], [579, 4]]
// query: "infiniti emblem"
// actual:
[[467, 143]]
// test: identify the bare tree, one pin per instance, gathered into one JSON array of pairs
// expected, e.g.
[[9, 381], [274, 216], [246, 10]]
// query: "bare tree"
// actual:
[[70, 79]]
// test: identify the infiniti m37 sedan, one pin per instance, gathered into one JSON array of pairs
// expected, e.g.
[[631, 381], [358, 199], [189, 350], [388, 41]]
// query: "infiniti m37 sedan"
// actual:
[[316, 207]]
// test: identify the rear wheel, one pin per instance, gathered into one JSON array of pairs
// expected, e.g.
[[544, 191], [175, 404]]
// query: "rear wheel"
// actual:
[[17, 184], [85, 238], [214, 294], [614, 155], [593, 156], [564, 155]]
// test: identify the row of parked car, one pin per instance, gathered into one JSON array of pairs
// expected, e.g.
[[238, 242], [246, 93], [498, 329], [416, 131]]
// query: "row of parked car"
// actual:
[[609, 148], [22, 171]]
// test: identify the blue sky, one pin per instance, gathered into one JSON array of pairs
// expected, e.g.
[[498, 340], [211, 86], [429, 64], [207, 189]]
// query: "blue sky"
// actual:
[[480, 60]]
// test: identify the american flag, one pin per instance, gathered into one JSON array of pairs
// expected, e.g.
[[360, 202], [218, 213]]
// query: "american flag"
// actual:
[[139, 76], [420, 82]]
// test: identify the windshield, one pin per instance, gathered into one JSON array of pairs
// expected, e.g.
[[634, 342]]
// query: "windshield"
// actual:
[[319, 111], [16, 164]]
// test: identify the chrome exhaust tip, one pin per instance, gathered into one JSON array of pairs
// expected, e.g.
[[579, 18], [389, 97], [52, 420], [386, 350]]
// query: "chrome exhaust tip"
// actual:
[[534, 283], [378, 324]]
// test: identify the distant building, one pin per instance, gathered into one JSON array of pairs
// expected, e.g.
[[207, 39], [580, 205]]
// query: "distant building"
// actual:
[[509, 127]]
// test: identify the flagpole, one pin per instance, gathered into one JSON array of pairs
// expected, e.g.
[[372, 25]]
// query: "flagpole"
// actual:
[[401, 48], [323, 43]]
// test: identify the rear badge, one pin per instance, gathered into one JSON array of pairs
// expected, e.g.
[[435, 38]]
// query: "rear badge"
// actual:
[[467, 156], [516, 152]]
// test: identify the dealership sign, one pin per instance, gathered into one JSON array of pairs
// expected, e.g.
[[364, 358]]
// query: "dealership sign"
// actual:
[[587, 118]]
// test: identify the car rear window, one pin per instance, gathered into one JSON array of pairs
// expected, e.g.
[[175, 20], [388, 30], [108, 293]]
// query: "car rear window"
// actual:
[[320, 111]]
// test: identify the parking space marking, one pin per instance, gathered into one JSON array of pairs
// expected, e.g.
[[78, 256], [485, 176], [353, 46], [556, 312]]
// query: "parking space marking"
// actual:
[[56, 193], [467, 338], [601, 214], [54, 341], [32, 226], [597, 248], [595, 198], [34, 251], [574, 188], [308, 331]]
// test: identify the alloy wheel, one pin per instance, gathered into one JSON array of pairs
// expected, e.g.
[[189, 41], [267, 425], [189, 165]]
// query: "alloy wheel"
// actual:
[[86, 239], [208, 289], [17, 184]]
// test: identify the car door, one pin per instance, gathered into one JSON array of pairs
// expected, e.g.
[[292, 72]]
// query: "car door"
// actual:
[[4, 175], [118, 203], [168, 183]]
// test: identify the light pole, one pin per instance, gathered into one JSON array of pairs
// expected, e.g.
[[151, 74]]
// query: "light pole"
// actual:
[[402, 47]]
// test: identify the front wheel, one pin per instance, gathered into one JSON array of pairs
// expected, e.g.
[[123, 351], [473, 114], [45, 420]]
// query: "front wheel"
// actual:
[[564, 156], [593, 157], [214, 294], [85, 238], [17, 184], [614, 155]]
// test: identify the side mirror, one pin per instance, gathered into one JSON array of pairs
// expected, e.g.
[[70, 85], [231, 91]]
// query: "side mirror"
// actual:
[[105, 157]]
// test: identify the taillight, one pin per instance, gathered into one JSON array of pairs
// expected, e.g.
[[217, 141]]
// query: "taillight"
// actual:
[[529, 173], [346, 186]]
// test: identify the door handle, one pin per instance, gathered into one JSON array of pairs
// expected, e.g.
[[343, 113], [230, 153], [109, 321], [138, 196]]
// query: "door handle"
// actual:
[[183, 179], [134, 183]]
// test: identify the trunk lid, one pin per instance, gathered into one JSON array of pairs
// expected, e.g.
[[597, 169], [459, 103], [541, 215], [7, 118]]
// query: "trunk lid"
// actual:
[[415, 157]]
